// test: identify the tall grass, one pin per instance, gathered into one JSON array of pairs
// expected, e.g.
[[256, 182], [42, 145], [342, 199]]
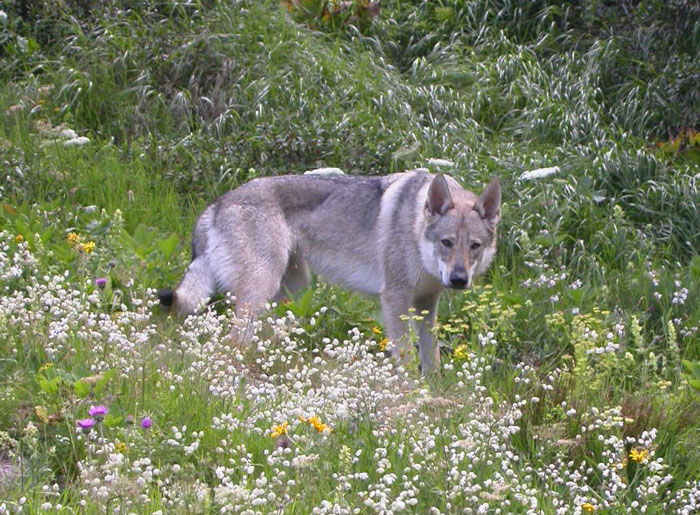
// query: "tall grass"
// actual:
[[578, 332]]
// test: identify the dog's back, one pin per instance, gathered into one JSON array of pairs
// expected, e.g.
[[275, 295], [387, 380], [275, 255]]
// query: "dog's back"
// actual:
[[272, 227]]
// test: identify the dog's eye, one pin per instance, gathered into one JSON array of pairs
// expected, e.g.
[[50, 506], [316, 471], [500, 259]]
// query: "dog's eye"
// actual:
[[447, 243], [476, 245]]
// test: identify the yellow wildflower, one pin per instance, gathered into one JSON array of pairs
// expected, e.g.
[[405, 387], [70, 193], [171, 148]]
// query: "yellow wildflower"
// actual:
[[383, 343], [279, 430], [120, 447], [45, 366], [461, 353], [318, 425], [316, 422], [73, 238], [639, 455], [376, 330], [587, 507], [88, 247], [19, 238]]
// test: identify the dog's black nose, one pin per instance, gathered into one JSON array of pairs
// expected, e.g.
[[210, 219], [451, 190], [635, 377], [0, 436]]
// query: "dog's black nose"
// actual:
[[459, 278]]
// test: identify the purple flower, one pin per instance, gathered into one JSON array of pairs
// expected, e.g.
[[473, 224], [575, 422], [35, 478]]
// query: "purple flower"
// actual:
[[98, 411], [101, 282], [283, 442], [85, 424], [146, 422], [129, 420]]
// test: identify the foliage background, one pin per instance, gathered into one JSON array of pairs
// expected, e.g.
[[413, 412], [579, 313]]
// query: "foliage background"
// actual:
[[182, 101]]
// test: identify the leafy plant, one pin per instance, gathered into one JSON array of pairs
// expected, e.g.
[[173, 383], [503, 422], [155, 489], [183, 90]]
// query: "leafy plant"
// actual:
[[332, 14], [692, 373]]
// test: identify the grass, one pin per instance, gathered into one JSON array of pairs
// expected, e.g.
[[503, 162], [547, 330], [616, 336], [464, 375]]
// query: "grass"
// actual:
[[567, 356]]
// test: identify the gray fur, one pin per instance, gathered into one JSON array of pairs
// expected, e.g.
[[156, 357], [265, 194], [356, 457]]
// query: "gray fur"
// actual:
[[381, 236]]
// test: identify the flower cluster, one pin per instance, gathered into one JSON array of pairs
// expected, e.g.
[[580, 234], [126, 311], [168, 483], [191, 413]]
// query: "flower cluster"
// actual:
[[75, 241], [97, 414], [387, 435], [279, 430], [316, 423]]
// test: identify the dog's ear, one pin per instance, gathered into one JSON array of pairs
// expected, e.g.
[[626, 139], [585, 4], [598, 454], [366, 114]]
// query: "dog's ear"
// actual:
[[439, 199], [489, 204]]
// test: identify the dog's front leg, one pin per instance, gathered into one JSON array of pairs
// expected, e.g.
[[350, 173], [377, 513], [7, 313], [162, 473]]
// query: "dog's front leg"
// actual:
[[426, 308], [395, 304]]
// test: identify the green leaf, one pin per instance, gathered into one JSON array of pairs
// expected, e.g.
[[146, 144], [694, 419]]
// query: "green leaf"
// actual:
[[692, 367], [32, 46], [168, 245], [143, 236], [510, 299], [106, 376], [48, 234], [305, 303], [127, 240], [49, 386], [695, 383], [112, 420], [82, 389], [63, 253], [443, 14], [544, 240], [576, 295]]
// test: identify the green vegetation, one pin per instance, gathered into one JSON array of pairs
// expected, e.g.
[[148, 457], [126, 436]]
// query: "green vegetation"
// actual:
[[573, 385]]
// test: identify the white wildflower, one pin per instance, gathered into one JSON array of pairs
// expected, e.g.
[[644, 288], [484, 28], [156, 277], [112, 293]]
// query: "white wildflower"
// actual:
[[440, 163], [76, 142], [538, 173]]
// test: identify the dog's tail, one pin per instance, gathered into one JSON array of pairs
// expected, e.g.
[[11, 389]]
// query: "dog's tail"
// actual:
[[166, 297]]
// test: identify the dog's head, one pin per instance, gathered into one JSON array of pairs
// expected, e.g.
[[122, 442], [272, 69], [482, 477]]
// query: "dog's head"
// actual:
[[459, 240]]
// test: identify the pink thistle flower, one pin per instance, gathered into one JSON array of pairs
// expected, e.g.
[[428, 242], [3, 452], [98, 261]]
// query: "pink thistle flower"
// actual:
[[98, 412], [86, 424], [146, 422], [101, 282]]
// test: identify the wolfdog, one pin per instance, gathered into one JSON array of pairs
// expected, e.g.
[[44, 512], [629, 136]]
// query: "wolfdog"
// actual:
[[403, 237]]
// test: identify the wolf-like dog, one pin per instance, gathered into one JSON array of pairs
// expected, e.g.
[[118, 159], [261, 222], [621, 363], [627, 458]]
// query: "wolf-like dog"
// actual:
[[402, 237]]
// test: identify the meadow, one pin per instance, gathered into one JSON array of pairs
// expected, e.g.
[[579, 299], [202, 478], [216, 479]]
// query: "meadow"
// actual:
[[570, 380]]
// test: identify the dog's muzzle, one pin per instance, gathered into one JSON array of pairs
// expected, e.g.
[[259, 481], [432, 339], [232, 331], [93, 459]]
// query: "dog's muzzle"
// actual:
[[459, 279]]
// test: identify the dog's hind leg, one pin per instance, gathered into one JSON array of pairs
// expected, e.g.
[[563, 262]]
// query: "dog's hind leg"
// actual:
[[252, 294], [256, 283]]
